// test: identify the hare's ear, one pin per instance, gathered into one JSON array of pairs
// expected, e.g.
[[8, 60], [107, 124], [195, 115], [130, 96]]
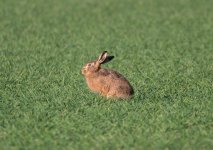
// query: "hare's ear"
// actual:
[[108, 58], [104, 58]]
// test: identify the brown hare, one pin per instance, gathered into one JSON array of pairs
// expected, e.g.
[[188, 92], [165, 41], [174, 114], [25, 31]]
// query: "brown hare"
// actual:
[[107, 82]]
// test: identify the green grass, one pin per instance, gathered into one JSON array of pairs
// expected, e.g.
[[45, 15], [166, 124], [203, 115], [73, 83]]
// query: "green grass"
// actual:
[[164, 48]]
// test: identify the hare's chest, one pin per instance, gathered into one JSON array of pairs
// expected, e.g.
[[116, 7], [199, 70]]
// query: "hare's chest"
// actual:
[[93, 85]]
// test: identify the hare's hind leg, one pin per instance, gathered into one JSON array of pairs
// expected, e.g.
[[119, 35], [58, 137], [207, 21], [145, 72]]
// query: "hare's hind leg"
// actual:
[[111, 95], [103, 94]]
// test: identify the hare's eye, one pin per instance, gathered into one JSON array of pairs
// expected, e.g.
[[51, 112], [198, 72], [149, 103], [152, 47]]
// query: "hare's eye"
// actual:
[[89, 65]]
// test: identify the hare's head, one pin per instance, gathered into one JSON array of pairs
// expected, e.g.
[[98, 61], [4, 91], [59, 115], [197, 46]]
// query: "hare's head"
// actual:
[[94, 66]]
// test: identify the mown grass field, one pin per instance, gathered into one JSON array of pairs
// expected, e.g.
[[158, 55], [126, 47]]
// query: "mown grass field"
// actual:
[[164, 47]]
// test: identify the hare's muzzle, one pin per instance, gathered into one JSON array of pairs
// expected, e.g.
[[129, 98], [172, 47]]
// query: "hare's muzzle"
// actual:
[[83, 71]]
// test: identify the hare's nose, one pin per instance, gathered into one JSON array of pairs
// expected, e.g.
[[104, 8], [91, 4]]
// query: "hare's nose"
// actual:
[[82, 71]]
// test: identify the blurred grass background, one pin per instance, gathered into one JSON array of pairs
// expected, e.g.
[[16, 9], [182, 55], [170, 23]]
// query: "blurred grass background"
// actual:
[[164, 47]]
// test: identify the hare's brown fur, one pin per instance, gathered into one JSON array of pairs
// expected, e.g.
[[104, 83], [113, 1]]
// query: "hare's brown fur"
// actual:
[[107, 82]]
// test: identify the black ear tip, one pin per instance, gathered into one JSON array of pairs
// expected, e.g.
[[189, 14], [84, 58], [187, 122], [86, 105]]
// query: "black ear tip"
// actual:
[[111, 57]]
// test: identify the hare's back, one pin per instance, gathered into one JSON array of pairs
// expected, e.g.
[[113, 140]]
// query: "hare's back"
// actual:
[[112, 75]]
